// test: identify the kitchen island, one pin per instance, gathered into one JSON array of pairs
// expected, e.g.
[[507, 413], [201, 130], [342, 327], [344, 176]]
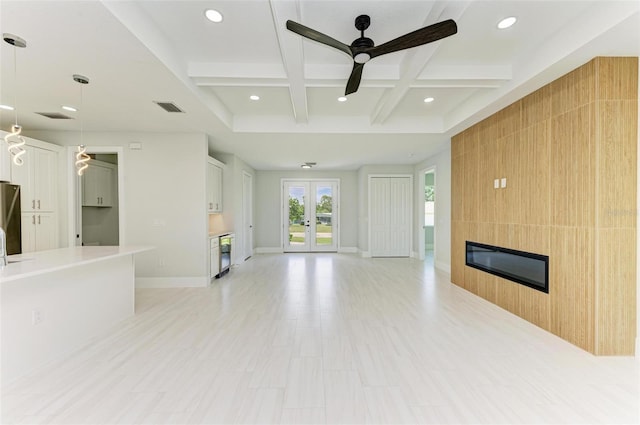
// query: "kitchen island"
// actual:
[[54, 302]]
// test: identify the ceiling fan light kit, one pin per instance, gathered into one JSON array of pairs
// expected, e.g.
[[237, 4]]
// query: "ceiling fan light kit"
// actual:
[[363, 49]]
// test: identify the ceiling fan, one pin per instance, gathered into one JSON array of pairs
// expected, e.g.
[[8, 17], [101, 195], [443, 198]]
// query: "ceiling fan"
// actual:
[[363, 49]]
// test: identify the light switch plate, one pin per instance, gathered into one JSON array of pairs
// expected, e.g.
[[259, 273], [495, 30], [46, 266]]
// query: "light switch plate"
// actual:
[[496, 184], [503, 182]]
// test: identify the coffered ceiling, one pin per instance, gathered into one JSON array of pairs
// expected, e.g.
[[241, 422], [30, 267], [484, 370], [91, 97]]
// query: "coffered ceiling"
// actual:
[[138, 52]]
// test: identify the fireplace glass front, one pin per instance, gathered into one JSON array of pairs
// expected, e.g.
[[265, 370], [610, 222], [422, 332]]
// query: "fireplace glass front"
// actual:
[[522, 267]]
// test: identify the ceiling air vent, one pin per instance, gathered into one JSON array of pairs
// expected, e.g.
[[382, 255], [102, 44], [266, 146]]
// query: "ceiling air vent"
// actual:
[[55, 115], [169, 106]]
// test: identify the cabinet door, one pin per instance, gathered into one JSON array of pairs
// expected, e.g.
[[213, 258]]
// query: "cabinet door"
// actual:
[[214, 188], [28, 232], [217, 187], [97, 186], [23, 176], [44, 178], [37, 178], [45, 231], [214, 253], [105, 186]]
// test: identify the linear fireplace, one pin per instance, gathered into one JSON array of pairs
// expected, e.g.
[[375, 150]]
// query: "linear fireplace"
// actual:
[[526, 268]]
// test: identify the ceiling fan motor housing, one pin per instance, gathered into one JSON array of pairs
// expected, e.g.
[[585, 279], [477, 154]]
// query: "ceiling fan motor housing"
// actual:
[[363, 22]]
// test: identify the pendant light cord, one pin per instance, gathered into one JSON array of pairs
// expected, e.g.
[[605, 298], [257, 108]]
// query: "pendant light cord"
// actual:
[[15, 80]]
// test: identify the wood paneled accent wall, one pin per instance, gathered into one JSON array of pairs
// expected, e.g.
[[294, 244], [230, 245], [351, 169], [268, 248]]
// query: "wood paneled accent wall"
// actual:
[[568, 152]]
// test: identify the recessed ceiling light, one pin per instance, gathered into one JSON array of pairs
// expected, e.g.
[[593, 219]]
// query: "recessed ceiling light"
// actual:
[[507, 22], [428, 99], [7, 107], [254, 97], [69, 108], [213, 15], [342, 99]]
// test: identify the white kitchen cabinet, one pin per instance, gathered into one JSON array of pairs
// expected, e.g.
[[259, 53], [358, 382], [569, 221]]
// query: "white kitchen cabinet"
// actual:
[[214, 254], [214, 185], [39, 231], [37, 177], [97, 185]]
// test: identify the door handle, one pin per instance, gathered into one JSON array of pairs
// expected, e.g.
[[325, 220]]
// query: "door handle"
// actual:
[[33, 204], [33, 219], [38, 203], [38, 219]]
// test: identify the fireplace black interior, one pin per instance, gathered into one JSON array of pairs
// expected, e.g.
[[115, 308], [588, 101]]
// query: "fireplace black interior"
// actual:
[[525, 268]]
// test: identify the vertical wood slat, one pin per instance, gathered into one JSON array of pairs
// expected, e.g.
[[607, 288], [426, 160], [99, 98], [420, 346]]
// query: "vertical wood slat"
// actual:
[[569, 154], [616, 312]]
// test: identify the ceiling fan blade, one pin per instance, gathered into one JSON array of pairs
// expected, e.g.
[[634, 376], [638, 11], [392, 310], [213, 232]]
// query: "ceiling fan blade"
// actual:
[[354, 78], [416, 38], [317, 36]]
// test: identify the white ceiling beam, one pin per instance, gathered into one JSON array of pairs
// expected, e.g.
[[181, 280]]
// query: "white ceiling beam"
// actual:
[[269, 124], [331, 75], [415, 60], [292, 54], [339, 82]]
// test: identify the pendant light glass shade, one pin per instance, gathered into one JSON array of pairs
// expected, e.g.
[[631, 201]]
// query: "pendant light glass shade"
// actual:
[[82, 159], [15, 143], [14, 140]]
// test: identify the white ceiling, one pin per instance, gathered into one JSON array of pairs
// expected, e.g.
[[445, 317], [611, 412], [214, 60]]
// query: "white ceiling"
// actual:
[[137, 52]]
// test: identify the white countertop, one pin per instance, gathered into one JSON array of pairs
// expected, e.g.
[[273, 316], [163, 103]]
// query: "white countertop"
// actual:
[[35, 263], [218, 234]]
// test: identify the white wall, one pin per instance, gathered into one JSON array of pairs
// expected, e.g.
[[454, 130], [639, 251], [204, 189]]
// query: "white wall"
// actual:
[[165, 201], [442, 164], [267, 214]]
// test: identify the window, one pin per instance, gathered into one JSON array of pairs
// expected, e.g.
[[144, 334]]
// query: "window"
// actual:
[[429, 205]]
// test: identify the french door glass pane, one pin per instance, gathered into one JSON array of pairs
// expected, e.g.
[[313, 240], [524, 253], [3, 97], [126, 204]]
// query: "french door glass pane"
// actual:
[[296, 216], [324, 210]]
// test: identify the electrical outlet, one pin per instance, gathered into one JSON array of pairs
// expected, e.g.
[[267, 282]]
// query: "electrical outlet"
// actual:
[[36, 317]]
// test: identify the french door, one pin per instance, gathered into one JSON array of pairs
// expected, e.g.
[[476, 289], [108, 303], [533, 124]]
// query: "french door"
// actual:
[[310, 215]]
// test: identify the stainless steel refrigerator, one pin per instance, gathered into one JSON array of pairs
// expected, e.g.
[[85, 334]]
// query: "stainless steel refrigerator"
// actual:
[[10, 216]]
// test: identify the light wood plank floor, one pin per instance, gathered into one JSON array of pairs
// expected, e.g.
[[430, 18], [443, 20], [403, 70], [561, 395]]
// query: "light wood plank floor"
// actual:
[[326, 338]]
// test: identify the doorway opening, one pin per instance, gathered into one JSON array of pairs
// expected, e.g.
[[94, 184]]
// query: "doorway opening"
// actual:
[[310, 212], [428, 235], [247, 215], [97, 200]]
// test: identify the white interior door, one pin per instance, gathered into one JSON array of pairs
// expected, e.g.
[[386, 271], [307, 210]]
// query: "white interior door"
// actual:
[[390, 204], [247, 214], [310, 215]]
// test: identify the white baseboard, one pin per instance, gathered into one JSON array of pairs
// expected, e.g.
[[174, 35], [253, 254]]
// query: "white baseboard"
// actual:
[[269, 250], [364, 254], [443, 266], [172, 282], [348, 250]]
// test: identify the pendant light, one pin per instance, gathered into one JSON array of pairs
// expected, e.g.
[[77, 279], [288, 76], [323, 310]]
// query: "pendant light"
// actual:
[[15, 141], [82, 159]]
